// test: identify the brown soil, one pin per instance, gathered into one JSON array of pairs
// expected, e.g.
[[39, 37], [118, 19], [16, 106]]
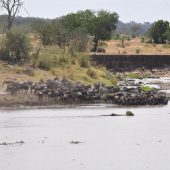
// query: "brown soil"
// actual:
[[114, 47]]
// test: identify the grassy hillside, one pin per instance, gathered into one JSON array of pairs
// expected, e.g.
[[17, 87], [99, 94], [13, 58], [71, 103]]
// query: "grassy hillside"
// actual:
[[53, 62], [72, 72]]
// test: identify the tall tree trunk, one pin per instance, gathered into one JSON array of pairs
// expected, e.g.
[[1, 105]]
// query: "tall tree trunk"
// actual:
[[96, 42]]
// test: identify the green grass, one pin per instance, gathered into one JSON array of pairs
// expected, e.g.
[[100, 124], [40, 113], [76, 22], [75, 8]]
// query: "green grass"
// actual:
[[134, 75], [74, 66], [138, 75], [147, 88], [89, 75]]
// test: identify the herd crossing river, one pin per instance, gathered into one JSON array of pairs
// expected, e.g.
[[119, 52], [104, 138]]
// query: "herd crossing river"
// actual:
[[127, 92], [78, 137]]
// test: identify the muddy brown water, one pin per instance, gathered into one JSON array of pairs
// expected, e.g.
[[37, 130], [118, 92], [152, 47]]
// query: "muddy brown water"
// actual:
[[141, 142]]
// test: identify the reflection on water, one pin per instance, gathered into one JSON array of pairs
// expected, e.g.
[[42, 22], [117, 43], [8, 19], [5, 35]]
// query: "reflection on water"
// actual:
[[106, 143]]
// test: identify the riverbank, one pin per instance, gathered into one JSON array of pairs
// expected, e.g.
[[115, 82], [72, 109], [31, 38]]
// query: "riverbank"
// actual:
[[52, 93]]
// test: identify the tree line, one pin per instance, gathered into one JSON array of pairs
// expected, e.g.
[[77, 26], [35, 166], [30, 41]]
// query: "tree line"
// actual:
[[82, 25], [160, 32], [73, 31]]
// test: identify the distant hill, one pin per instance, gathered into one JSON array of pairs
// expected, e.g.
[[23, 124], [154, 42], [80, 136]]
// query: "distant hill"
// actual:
[[21, 22], [131, 27]]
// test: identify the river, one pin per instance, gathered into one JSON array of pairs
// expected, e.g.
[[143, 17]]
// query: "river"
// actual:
[[141, 142]]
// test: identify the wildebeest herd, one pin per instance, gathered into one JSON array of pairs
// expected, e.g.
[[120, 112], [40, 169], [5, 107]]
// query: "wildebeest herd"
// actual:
[[66, 92]]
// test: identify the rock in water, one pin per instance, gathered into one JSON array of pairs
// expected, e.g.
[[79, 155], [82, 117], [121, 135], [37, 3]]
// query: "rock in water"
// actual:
[[75, 142], [129, 113]]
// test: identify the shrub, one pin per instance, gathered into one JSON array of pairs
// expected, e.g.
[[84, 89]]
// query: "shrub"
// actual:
[[78, 45], [91, 73], [45, 64], [17, 46], [84, 60], [128, 38], [53, 72], [63, 59], [52, 56], [79, 40], [18, 69], [137, 50], [100, 50], [116, 37], [142, 39]]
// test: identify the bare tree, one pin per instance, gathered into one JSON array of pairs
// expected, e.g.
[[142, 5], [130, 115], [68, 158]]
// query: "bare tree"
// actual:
[[12, 7]]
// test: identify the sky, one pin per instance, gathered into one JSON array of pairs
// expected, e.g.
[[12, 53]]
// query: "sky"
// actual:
[[128, 10]]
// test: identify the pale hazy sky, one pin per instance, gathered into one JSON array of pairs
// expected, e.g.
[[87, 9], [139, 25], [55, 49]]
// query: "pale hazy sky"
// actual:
[[128, 10]]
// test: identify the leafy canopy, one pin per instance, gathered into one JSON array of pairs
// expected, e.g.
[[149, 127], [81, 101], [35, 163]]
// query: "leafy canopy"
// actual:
[[61, 31], [158, 31]]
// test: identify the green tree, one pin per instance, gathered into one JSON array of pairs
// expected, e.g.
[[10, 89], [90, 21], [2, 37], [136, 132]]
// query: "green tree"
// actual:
[[168, 34], [158, 31], [60, 34], [43, 28], [79, 40], [78, 26], [17, 46], [98, 24], [102, 26]]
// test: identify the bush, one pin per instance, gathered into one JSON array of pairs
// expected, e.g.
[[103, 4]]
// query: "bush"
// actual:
[[44, 64], [142, 39], [18, 69], [91, 73], [101, 50], [84, 60], [63, 59], [51, 56], [78, 45], [17, 47], [137, 50]]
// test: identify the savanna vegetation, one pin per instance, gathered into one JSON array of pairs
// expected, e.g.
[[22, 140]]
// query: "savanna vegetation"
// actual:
[[60, 47]]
